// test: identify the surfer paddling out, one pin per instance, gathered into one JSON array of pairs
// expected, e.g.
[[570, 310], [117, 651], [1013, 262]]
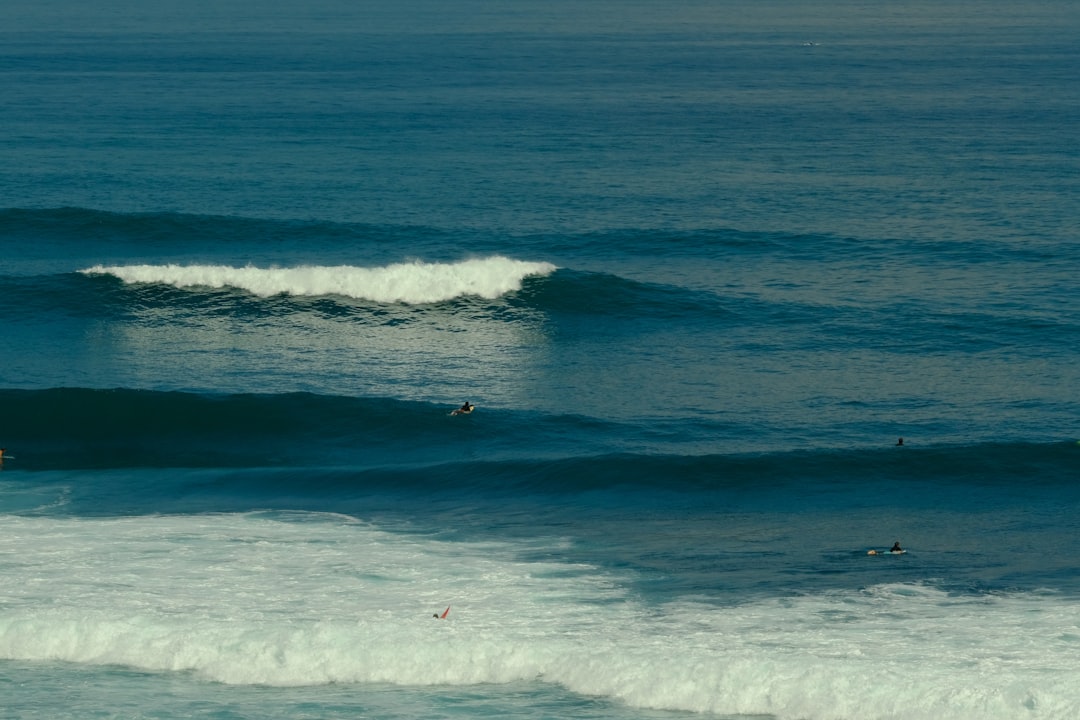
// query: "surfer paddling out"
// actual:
[[464, 409], [894, 550], [446, 612]]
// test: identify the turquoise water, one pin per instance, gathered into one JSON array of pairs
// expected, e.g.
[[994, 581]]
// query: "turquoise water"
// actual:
[[698, 265]]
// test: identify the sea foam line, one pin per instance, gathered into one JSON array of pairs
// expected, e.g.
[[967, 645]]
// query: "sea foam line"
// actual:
[[412, 283]]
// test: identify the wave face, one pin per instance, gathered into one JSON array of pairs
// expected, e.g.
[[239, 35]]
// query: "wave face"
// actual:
[[410, 283], [385, 445]]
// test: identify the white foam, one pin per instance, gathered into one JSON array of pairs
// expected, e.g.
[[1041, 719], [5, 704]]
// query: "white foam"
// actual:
[[251, 599], [410, 283]]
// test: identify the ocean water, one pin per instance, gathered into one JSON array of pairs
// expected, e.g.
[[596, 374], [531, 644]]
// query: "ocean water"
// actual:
[[698, 264]]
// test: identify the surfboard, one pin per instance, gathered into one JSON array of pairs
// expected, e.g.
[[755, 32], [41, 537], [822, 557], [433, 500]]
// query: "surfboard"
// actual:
[[887, 552], [459, 411]]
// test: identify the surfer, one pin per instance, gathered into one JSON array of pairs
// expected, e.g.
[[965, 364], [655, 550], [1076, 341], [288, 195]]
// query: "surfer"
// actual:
[[464, 409], [896, 549], [446, 612], [899, 442]]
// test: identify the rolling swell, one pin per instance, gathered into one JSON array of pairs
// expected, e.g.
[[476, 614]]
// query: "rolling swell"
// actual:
[[577, 292], [326, 452], [148, 233], [152, 233], [89, 428], [80, 428]]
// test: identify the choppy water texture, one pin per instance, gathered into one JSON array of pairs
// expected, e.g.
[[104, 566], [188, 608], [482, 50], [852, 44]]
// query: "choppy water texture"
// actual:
[[699, 265]]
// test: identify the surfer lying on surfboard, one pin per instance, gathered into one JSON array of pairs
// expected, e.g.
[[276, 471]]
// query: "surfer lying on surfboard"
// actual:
[[895, 550], [464, 409]]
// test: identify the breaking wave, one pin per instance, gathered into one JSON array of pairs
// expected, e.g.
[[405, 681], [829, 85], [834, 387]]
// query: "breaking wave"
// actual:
[[413, 283]]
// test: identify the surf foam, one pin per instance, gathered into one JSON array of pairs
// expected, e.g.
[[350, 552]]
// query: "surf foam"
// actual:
[[308, 599], [412, 283]]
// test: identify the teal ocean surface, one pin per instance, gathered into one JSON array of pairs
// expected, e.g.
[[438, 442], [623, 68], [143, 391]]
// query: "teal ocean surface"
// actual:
[[700, 266]]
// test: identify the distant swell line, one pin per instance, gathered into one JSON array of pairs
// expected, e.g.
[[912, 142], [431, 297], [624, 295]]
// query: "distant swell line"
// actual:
[[412, 283]]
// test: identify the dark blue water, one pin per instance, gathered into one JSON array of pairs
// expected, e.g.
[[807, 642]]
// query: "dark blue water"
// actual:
[[698, 265]]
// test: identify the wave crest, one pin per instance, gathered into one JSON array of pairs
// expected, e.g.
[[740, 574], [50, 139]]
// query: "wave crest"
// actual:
[[413, 283]]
